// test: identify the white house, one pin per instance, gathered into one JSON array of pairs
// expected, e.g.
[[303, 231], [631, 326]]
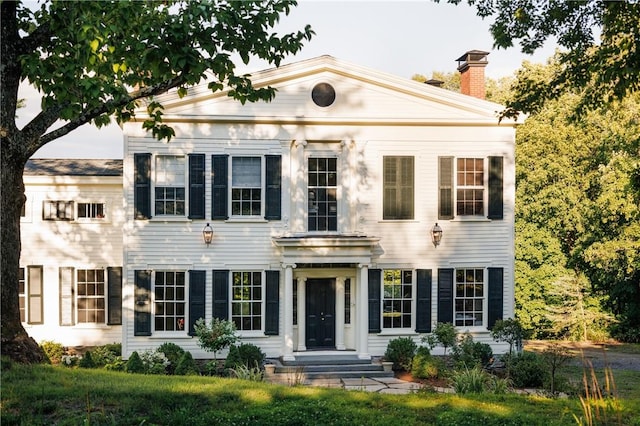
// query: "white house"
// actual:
[[325, 207], [71, 258]]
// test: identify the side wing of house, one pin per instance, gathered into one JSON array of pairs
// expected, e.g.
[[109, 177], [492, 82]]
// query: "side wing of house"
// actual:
[[323, 206], [71, 259]]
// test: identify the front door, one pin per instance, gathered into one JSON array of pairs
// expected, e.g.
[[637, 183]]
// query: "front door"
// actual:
[[320, 329]]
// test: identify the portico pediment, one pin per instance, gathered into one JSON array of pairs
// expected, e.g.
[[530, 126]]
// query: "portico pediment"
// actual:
[[327, 248]]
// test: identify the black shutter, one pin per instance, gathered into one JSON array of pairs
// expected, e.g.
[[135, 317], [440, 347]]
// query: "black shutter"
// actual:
[[196, 186], [142, 300], [495, 296], [197, 283], [219, 186], [114, 302], [445, 295], [272, 308], [445, 187], [423, 301], [495, 188], [221, 294], [375, 284], [142, 186], [273, 196], [67, 305]]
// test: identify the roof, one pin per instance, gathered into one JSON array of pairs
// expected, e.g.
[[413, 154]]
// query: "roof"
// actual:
[[73, 167]]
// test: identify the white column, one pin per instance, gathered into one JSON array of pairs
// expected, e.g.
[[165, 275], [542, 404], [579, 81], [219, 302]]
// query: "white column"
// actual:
[[363, 312], [302, 288], [340, 314], [288, 313]]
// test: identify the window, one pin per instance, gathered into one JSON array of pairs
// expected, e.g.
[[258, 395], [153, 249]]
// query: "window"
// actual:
[[169, 302], [91, 296], [322, 186], [469, 297], [398, 294], [397, 188], [246, 186], [170, 185], [470, 187], [347, 301], [57, 210], [21, 294], [246, 302], [91, 210]]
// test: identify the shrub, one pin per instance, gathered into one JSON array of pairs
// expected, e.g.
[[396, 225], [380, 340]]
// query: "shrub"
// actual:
[[467, 380], [243, 372], [134, 364], [53, 350], [186, 366], [509, 331], [106, 354], [215, 336], [87, 361], [445, 334], [246, 354], [526, 369], [425, 365], [154, 362], [400, 351], [173, 353], [469, 354], [210, 368]]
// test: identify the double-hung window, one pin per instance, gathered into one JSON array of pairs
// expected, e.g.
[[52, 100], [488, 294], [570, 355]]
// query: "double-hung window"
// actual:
[[246, 300], [246, 186], [169, 301], [470, 187], [322, 188], [397, 290], [170, 185], [57, 210], [398, 188], [469, 297], [91, 296]]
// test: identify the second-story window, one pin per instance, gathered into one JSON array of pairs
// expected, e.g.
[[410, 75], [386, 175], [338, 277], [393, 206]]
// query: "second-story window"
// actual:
[[57, 210], [246, 186], [398, 184], [91, 211], [470, 187], [170, 185], [322, 187]]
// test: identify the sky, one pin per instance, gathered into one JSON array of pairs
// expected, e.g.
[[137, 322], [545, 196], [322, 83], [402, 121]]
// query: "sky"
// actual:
[[402, 38]]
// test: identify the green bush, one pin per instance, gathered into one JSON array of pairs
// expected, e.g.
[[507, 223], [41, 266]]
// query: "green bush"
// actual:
[[245, 354], [469, 354], [467, 380], [53, 350], [243, 372], [216, 335], [526, 370], [186, 366], [173, 353], [445, 334], [134, 364], [87, 361], [106, 354], [210, 368], [401, 351], [425, 365]]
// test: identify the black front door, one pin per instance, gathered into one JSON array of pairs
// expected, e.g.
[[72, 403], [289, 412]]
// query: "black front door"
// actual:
[[320, 329]]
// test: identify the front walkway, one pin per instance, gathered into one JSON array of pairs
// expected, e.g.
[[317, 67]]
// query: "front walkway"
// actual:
[[389, 385]]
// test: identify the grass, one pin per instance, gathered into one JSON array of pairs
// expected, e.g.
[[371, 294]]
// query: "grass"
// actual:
[[45, 394]]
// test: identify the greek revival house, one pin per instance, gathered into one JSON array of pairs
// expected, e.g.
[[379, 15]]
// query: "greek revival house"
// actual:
[[354, 208]]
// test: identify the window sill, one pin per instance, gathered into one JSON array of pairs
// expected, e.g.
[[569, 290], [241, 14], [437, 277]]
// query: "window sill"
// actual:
[[92, 326], [398, 332], [246, 220], [398, 221], [470, 219], [173, 219], [163, 335], [252, 334]]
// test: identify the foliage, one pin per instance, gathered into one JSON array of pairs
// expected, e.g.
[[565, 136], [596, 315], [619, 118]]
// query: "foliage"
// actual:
[[254, 374], [425, 365], [555, 356], [245, 354], [468, 380], [107, 355], [211, 368], [154, 361], [173, 353], [96, 60], [509, 331], [186, 365], [526, 369], [400, 351], [53, 350], [600, 404], [215, 336], [604, 70], [470, 354], [445, 334], [87, 361], [134, 364]]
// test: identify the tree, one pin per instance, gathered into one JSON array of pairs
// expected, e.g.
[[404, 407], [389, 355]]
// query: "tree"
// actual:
[[95, 60], [604, 72]]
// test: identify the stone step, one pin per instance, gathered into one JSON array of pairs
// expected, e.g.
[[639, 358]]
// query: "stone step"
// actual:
[[307, 367]]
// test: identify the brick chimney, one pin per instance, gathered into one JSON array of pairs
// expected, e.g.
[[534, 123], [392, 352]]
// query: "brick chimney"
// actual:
[[471, 66]]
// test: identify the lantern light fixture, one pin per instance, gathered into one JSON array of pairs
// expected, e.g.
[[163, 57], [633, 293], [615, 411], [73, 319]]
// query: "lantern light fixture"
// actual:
[[207, 234], [436, 235]]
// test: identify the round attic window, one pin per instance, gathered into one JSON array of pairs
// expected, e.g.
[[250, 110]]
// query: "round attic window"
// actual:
[[323, 94]]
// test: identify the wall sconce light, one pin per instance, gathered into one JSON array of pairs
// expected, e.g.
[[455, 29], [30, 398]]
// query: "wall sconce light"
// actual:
[[436, 235], [207, 234]]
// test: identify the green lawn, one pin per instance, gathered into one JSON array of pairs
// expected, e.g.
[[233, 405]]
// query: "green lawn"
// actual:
[[46, 394]]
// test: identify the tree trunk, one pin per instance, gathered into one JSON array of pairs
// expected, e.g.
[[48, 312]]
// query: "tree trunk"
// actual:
[[15, 342]]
